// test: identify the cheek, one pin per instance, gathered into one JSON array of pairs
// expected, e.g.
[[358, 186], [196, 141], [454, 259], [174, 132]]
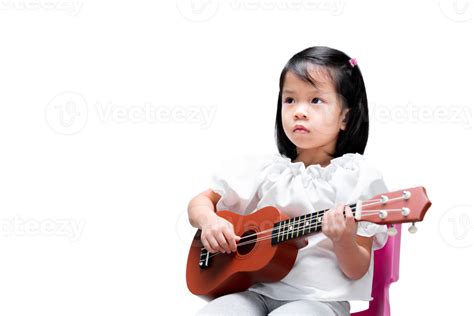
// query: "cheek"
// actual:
[[325, 123], [285, 118], [326, 117]]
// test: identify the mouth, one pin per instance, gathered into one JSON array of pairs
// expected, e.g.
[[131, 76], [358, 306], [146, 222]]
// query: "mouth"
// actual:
[[300, 129]]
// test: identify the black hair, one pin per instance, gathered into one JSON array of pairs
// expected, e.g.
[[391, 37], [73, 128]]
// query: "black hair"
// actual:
[[350, 88]]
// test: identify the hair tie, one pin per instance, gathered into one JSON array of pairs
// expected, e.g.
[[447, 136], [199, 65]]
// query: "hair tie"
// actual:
[[353, 62]]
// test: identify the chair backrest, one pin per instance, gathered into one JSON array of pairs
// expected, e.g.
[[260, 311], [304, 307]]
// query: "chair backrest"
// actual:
[[386, 268]]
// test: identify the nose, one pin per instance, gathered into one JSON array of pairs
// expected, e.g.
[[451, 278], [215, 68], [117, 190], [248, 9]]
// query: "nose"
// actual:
[[301, 111]]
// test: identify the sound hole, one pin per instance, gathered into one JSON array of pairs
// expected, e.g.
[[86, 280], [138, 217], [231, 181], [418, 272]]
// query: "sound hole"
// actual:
[[247, 242]]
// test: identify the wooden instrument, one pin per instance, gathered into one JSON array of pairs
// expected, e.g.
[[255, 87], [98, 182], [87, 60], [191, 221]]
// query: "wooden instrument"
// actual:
[[270, 241]]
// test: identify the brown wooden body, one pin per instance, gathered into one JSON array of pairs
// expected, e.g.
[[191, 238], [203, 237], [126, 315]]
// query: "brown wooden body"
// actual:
[[261, 262]]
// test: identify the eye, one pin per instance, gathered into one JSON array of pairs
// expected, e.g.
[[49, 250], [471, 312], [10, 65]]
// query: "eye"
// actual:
[[315, 100], [289, 100]]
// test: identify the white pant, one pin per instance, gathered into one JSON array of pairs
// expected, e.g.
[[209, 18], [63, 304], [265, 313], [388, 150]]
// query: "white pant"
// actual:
[[254, 304]]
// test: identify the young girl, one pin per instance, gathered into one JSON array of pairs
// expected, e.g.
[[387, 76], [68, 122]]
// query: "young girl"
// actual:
[[321, 132]]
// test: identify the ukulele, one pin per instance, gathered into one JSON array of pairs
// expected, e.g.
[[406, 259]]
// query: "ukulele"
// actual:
[[270, 240]]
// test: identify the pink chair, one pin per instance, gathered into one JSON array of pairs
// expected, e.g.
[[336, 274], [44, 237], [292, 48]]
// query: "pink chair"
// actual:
[[386, 267]]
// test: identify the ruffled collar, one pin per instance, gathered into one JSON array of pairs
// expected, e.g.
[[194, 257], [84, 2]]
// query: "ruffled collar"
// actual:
[[349, 161]]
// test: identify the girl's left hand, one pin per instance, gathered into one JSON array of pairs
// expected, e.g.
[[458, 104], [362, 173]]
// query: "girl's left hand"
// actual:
[[339, 229]]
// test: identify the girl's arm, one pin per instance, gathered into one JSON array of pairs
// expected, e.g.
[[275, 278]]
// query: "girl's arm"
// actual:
[[354, 258], [352, 251], [217, 234], [202, 208]]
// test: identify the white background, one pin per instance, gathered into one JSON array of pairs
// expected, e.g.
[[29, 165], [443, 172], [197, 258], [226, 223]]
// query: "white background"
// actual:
[[101, 147]]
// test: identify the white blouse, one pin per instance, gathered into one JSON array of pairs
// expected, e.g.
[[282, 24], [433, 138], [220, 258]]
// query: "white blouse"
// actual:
[[247, 184]]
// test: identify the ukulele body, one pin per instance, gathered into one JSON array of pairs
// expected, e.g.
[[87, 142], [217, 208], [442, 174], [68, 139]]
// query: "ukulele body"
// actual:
[[258, 261]]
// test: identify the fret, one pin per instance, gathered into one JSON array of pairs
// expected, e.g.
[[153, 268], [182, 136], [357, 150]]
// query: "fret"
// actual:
[[315, 221], [279, 232], [304, 224], [308, 222], [299, 226], [292, 228], [299, 220], [320, 219], [283, 230], [295, 227]]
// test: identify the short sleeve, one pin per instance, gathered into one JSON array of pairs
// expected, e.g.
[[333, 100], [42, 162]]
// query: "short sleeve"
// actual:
[[370, 183], [237, 181], [379, 232]]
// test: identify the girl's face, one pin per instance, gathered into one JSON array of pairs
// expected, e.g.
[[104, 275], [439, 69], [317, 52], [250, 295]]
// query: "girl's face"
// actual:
[[318, 110]]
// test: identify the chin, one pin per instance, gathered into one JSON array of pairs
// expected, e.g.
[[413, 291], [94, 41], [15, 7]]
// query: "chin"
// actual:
[[303, 145]]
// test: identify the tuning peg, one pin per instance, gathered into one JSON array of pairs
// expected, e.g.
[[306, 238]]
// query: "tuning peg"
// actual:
[[392, 231], [412, 229], [406, 195], [405, 211]]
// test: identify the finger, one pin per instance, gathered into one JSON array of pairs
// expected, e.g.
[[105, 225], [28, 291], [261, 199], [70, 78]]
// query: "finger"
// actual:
[[340, 208], [332, 218], [325, 223], [232, 232], [339, 215], [214, 244], [348, 213], [329, 231], [208, 246], [223, 242], [330, 215], [327, 219], [350, 221], [231, 240]]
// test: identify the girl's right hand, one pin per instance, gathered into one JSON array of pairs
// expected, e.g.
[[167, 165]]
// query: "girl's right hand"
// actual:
[[217, 234]]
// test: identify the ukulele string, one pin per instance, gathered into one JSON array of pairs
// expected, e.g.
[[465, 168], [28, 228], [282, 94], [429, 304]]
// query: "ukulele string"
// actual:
[[302, 229], [303, 220], [266, 237], [316, 225]]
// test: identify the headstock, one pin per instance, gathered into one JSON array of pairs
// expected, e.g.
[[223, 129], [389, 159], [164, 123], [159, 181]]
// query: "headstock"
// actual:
[[403, 206]]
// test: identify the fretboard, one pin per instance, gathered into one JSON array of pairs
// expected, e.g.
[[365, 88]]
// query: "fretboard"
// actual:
[[299, 226]]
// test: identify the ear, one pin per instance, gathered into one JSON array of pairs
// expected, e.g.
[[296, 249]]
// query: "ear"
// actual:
[[344, 118]]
